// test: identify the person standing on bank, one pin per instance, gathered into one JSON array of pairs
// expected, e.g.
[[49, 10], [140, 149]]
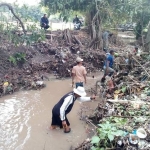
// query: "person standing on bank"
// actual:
[[79, 73], [64, 106], [105, 37]]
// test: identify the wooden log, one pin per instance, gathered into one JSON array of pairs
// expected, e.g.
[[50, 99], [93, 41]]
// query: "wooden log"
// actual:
[[78, 41]]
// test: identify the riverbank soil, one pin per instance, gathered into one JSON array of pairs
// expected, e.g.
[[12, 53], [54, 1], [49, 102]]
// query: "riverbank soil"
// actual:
[[22, 67]]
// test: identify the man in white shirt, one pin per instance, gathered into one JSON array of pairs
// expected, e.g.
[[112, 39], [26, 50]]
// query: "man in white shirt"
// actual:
[[64, 106]]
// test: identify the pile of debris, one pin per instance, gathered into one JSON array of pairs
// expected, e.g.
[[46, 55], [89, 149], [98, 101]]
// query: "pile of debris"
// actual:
[[122, 124], [131, 79], [22, 66], [122, 118]]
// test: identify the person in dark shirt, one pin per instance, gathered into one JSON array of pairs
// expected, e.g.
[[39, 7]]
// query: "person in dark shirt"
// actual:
[[108, 65], [64, 106], [76, 19], [136, 50], [44, 22]]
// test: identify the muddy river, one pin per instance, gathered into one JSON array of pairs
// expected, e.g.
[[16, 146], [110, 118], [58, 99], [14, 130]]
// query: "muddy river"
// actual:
[[25, 118]]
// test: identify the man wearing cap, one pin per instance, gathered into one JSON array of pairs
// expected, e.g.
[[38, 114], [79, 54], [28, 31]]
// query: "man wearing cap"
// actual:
[[64, 106], [79, 73]]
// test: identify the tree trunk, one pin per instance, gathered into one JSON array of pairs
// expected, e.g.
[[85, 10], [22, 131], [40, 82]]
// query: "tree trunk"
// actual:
[[147, 45], [12, 11], [96, 32], [67, 36]]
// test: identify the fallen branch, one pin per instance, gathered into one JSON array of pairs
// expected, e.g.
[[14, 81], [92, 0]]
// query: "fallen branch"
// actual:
[[120, 116], [87, 120], [141, 66]]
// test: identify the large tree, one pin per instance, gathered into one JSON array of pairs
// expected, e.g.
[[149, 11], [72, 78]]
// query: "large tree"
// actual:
[[103, 12], [141, 15], [97, 12], [147, 44]]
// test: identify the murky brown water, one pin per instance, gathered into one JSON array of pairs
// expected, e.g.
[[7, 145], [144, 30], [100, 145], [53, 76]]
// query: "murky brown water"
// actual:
[[25, 117]]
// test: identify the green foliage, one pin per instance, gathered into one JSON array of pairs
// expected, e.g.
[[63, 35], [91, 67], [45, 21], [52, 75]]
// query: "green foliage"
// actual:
[[95, 140], [12, 60], [106, 134], [17, 58], [112, 12], [66, 8], [141, 15], [34, 36], [29, 13], [20, 56]]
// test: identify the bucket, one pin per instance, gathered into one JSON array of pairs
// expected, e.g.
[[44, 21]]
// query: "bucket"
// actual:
[[133, 139], [141, 133]]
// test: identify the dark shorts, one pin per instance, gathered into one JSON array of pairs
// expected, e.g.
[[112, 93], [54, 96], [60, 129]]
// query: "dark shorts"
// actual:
[[56, 121], [79, 84], [45, 26]]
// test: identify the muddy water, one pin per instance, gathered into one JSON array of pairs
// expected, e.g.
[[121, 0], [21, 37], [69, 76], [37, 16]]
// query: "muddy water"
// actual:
[[26, 116]]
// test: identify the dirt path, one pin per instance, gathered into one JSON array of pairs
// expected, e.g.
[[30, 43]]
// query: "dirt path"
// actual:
[[26, 116]]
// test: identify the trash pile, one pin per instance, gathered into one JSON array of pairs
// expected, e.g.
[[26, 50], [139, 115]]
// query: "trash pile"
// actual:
[[17, 81], [131, 79], [63, 49], [62, 60], [122, 118], [120, 125]]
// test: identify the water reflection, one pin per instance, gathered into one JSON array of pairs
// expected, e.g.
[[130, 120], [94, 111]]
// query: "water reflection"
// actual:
[[26, 116], [15, 113]]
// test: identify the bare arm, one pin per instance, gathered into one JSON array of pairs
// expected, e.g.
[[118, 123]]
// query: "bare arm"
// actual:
[[73, 76], [84, 75], [86, 99]]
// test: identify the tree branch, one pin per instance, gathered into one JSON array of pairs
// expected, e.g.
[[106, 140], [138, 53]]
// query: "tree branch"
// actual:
[[141, 66], [12, 11]]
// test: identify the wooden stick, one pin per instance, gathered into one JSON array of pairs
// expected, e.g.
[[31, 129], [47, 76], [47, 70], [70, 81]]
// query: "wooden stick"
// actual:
[[141, 66], [120, 116], [91, 123]]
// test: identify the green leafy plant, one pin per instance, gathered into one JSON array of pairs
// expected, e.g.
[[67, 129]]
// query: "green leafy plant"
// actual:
[[17, 58], [20, 57], [12, 60], [106, 135]]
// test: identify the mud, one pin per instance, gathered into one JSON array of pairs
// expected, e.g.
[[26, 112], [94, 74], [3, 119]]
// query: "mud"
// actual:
[[25, 118]]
